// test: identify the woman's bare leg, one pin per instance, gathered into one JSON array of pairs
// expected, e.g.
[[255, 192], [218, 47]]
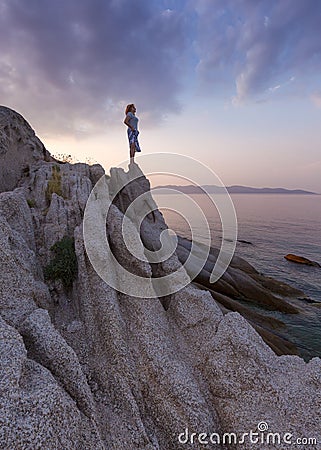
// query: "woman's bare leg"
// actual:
[[132, 151]]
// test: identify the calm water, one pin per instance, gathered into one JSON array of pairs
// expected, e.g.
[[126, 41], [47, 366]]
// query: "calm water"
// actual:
[[275, 225]]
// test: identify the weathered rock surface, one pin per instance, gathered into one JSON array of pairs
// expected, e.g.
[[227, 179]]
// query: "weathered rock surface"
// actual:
[[19, 147], [92, 368]]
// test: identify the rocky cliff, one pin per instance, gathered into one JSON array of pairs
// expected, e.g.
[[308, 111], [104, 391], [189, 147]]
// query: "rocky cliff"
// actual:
[[84, 366]]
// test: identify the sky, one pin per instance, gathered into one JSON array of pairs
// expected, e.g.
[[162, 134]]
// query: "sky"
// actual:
[[233, 83]]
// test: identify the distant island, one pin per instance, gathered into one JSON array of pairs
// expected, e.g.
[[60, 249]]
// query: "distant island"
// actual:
[[212, 189]]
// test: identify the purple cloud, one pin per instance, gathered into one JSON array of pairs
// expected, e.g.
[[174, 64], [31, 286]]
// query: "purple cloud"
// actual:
[[258, 43], [74, 65], [77, 62]]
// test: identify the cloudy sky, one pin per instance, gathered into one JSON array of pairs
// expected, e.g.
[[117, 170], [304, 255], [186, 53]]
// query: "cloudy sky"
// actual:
[[234, 83]]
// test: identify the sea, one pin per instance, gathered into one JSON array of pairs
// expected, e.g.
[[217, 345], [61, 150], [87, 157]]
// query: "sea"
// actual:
[[269, 226]]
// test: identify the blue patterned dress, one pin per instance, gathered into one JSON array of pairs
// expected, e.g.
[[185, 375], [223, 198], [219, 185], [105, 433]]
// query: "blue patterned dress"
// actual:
[[133, 134]]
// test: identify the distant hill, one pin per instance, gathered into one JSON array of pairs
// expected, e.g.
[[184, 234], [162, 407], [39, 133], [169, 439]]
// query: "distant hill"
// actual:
[[212, 189]]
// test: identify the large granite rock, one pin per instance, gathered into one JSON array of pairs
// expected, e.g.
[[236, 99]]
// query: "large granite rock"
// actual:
[[19, 148], [93, 368]]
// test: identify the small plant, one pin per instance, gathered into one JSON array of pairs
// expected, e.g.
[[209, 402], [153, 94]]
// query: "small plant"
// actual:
[[64, 264], [54, 184], [64, 158], [31, 202]]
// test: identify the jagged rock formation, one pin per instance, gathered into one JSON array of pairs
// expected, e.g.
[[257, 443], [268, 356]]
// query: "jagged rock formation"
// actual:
[[19, 147], [92, 368]]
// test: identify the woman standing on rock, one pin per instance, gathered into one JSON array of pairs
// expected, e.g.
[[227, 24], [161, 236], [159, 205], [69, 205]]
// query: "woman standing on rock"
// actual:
[[132, 131]]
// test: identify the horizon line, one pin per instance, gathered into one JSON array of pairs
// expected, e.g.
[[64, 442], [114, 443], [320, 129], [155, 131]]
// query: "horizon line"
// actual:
[[288, 190]]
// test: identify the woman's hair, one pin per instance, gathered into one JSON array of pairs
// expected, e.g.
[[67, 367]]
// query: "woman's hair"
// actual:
[[128, 108]]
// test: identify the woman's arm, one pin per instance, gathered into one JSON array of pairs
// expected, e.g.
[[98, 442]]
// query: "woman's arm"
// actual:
[[126, 122]]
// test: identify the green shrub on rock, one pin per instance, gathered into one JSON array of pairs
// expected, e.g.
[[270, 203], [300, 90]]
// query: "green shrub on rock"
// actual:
[[31, 202], [54, 183], [64, 264]]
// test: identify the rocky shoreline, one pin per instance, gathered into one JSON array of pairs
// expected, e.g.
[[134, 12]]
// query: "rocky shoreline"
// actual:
[[89, 367]]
